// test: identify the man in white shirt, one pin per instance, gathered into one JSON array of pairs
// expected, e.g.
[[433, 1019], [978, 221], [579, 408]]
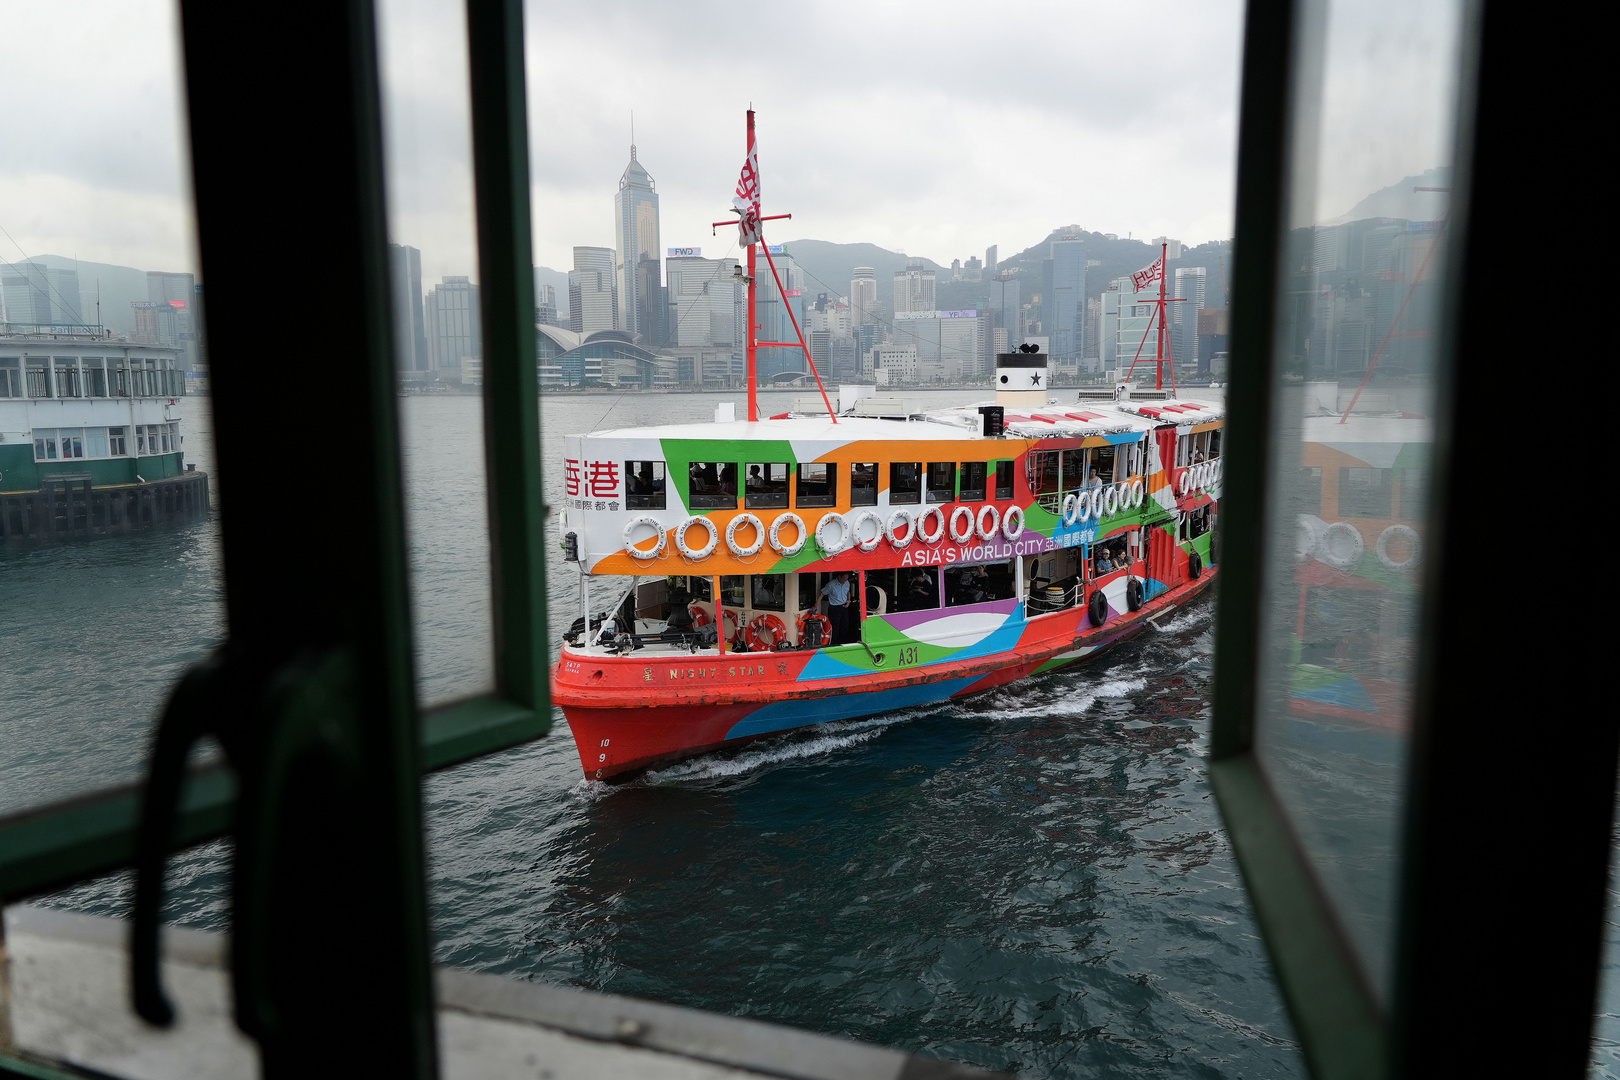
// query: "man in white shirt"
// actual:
[[838, 595]]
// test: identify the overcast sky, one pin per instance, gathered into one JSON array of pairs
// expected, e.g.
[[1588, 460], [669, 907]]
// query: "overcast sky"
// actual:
[[936, 129]]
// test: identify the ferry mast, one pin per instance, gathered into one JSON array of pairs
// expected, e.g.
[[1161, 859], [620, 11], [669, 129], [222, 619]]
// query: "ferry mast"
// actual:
[[746, 205], [1159, 312]]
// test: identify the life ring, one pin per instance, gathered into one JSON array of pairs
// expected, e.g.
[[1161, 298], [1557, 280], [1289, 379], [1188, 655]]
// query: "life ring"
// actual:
[[1082, 507], [995, 522], [696, 553], [1133, 593], [961, 536], [1186, 481], [844, 533], [700, 616], [938, 516], [1308, 536], [1405, 533], [1071, 508], [1097, 609], [816, 617], [1195, 566], [787, 550], [1097, 503], [758, 628], [900, 518], [642, 553], [1008, 530], [738, 522], [731, 617], [1110, 501], [1138, 493], [877, 530], [1341, 546]]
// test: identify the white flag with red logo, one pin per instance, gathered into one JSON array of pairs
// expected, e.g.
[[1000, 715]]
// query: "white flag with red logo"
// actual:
[[746, 201], [1149, 274]]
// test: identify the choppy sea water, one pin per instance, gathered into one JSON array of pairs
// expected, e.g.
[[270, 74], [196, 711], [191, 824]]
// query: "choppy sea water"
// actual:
[[1034, 880]]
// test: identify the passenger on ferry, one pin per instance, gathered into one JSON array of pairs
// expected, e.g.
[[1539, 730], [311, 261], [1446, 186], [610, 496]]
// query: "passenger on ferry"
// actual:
[[837, 594], [920, 591], [1094, 480]]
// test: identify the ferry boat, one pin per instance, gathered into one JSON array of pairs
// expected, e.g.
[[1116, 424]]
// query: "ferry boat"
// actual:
[[971, 547]]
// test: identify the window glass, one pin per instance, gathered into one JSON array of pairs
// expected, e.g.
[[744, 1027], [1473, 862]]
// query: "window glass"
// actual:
[[908, 589], [863, 484], [1101, 470], [905, 482], [818, 485], [1356, 365], [941, 481], [1073, 466], [118, 441], [807, 591], [95, 442], [731, 590], [978, 584], [973, 474], [39, 379], [711, 485], [1004, 480], [45, 444], [769, 592], [644, 485], [766, 486], [10, 377], [1043, 472]]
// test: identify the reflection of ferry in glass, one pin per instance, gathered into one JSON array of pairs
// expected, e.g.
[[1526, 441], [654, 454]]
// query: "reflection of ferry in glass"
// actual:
[[841, 561]]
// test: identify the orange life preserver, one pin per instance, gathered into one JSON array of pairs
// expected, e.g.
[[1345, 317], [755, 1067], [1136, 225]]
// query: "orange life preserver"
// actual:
[[816, 617], [731, 617], [700, 617], [758, 626]]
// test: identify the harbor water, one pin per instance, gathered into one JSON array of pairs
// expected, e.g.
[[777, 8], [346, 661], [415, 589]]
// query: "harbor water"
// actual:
[[1033, 880]]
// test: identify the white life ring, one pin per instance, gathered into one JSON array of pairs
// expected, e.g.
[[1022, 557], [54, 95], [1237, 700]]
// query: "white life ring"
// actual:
[[1082, 507], [1413, 541], [640, 552], [1186, 481], [1308, 536], [1341, 545], [964, 534], [1110, 501], [1138, 493], [1007, 528], [995, 522], [775, 537], [923, 533], [686, 549], [1097, 503], [877, 530], [1206, 476], [900, 518], [1071, 508], [738, 522], [845, 533]]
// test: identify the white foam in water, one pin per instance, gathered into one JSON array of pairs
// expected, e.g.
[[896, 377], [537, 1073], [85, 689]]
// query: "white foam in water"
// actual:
[[1184, 622], [1083, 698]]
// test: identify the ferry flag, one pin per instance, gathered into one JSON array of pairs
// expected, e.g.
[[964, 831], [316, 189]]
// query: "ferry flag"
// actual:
[[746, 201], [1149, 274]]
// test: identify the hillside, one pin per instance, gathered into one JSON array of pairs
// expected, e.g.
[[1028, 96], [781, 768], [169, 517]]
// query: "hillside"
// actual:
[[120, 285], [829, 267], [1400, 201]]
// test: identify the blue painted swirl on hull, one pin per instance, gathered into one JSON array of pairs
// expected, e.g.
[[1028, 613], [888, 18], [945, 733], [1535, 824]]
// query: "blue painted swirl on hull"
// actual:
[[786, 715]]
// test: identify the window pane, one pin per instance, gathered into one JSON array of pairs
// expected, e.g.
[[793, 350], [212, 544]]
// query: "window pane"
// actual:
[[1365, 258]]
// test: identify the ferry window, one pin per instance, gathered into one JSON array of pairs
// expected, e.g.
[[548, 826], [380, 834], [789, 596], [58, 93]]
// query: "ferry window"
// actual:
[[67, 379], [712, 485], [915, 589], [1108, 557], [39, 383], [767, 486], [10, 381], [95, 377], [118, 441], [818, 484], [1365, 493], [769, 592], [973, 473], [45, 444], [699, 588], [941, 481], [1004, 480], [644, 485], [1198, 523], [978, 584], [808, 593], [1043, 472], [1308, 493], [905, 482], [731, 590], [1073, 469], [1103, 460], [1214, 444], [863, 484]]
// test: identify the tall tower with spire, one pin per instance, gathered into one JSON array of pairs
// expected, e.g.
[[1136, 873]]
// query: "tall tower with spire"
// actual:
[[638, 254]]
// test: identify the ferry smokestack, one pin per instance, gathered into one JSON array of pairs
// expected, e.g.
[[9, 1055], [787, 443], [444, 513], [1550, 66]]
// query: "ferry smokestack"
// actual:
[[1021, 378]]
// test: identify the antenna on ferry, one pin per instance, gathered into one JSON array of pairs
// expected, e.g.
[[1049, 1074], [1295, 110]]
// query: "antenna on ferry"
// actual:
[[746, 205], [1162, 355]]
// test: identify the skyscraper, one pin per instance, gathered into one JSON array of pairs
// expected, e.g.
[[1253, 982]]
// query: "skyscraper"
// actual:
[[176, 293], [990, 259], [593, 295], [1064, 310], [1190, 288], [635, 223], [410, 327], [914, 288], [454, 333], [863, 295]]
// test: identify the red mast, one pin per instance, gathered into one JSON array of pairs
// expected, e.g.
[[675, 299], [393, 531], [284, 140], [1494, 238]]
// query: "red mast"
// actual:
[[753, 342], [1160, 313]]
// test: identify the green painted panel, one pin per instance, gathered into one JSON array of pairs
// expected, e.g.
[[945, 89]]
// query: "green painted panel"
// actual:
[[19, 471], [680, 453]]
